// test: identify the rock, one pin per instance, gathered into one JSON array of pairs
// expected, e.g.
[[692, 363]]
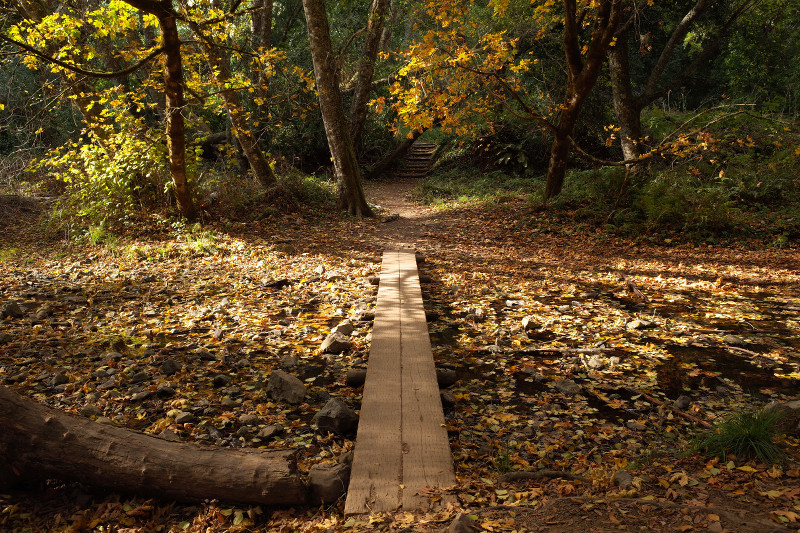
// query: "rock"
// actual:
[[5, 338], [333, 275], [170, 366], [529, 323], [103, 420], [789, 415], [446, 377], [355, 377], [289, 362], [285, 387], [448, 398], [108, 384], [268, 432], [204, 355], [424, 278], [623, 479], [733, 340], [228, 402], [568, 386], [564, 308], [220, 380], [345, 458], [248, 419], [715, 527], [169, 435], [165, 391], [595, 362], [140, 376], [682, 402], [11, 310], [90, 410], [335, 343], [328, 482], [345, 327], [59, 379], [639, 324], [139, 396], [703, 339], [185, 417], [374, 280], [320, 269], [462, 524], [336, 417], [635, 426]]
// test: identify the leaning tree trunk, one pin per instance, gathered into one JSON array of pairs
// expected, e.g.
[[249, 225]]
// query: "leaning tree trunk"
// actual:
[[176, 130], [239, 119], [372, 41], [37, 443], [345, 165]]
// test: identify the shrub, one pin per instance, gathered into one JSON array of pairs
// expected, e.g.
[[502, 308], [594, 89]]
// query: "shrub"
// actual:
[[748, 433]]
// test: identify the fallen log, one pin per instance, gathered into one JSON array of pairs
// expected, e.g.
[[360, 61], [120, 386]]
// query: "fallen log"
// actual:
[[37, 442]]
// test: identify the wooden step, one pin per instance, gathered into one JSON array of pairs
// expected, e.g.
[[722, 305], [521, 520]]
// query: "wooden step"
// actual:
[[402, 445]]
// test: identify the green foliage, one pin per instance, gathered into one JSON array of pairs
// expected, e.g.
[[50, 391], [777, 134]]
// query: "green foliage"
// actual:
[[8, 254], [108, 182], [747, 433], [468, 184]]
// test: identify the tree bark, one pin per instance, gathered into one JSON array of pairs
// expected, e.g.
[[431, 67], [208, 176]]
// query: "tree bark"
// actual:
[[625, 106], [351, 191], [176, 129], [37, 443], [582, 72], [372, 41], [237, 115]]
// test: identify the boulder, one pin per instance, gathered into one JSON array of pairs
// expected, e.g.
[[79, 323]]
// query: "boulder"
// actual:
[[285, 387], [336, 417], [345, 327], [355, 377], [328, 482], [335, 343], [446, 377]]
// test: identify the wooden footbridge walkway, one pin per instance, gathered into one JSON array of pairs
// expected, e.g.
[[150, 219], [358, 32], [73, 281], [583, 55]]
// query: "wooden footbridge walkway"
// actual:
[[402, 450]]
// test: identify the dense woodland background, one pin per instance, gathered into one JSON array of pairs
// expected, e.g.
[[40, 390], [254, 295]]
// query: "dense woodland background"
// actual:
[[124, 109]]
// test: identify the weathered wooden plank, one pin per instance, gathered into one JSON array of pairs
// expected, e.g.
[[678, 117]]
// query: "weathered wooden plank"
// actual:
[[402, 445], [377, 467], [427, 461]]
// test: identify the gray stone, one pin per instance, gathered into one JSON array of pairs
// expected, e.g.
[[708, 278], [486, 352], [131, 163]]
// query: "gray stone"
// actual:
[[204, 355], [140, 376], [345, 327], [639, 324], [733, 340], [336, 417], [289, 362], [462, 524], [446, 377], [140, 396], [244, 431], [184, 417], [595, 362], [267, 432], [789, 415], [355, 377], [170, 366], [248, 419], [623, 479], [90, 410], [328, 482], [220, 380], [165, 391], [228, 402], [108, 384], [529, 323], [335, 343], [374, 280], [448, 398], [568, 386], [334, 276], [59, 379], [5, 338], [11, 310], [682, 402], [169, 435], [285, 387], [564, 308]]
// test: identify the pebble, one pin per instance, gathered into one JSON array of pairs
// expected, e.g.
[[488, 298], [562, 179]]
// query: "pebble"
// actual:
[[90, 410], [248, 419], [568, 386], [623, 479], [683, 402], [184, 417], [220, 380], [635, 426], [165, 391], [170, 366]]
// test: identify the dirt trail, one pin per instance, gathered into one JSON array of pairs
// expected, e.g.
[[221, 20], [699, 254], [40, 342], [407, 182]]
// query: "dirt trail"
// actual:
[[393, 196]]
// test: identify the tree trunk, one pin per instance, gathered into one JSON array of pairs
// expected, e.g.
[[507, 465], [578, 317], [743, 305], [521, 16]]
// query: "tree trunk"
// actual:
[[625, 107], [351, 191], [582, 71], [220, 65], [372, 41], [176, 131], [38, 443]]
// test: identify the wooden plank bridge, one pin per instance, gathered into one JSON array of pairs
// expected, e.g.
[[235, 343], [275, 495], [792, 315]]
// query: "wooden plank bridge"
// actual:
[[402, 449]]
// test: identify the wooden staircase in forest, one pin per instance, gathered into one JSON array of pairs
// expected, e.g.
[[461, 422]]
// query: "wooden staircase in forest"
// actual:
[[402, 454], [418, 160]]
